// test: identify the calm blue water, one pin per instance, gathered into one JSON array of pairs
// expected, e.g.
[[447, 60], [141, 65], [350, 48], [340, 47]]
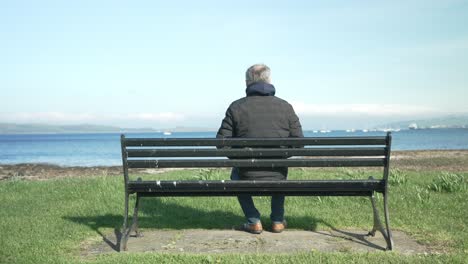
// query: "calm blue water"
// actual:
[[104, 149]]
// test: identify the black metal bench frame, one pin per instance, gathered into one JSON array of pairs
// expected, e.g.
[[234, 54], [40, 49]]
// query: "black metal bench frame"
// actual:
[[257, 152]]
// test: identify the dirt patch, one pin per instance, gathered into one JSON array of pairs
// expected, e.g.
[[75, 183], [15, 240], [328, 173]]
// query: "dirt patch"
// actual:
[[440, 160], [31, 171], [232, 241], [425, 160]]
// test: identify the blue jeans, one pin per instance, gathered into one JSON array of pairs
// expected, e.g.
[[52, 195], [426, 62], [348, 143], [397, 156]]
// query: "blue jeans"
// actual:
[[248, 206]]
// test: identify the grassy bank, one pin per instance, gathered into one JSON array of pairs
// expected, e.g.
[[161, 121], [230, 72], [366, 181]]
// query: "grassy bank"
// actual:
[[48, 221]]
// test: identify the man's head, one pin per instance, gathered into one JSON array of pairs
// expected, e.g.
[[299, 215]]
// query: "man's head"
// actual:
[[257, 73]]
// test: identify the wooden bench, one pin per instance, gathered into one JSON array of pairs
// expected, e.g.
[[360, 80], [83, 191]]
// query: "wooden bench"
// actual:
[[257, 152]]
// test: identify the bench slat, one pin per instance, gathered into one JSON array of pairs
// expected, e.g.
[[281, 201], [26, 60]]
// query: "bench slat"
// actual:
[[227, 188], [179, 184], [257, 163], [253, 142], [257, 193], [256, 152]]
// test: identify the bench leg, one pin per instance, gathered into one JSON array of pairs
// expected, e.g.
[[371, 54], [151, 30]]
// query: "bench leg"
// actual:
[[135, 218], [124, 232], [390, 243], [378, 223]]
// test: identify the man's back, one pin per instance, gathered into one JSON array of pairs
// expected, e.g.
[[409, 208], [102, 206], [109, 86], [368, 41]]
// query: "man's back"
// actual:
[[263, 116]]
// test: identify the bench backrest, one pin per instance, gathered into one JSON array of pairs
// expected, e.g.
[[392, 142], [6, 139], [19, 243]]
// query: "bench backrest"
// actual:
[[372, 151]]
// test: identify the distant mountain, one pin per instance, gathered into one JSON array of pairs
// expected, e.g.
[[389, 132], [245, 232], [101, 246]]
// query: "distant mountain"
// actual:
[[9, 128], [452, 121]]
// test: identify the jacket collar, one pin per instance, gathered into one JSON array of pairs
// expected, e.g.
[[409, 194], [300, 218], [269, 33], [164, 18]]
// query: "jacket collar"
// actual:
[[260, 88]]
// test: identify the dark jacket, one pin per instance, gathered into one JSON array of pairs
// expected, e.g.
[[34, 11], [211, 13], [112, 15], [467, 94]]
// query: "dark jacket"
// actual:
[[260, 114]]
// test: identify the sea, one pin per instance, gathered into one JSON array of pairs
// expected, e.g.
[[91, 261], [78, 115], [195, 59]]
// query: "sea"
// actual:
[[103, 149]]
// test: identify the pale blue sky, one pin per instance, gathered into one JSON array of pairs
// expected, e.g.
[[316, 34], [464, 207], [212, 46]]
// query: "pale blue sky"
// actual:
[[180, 63]]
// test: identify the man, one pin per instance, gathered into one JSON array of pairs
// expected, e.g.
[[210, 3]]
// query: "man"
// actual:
[[260, 114]]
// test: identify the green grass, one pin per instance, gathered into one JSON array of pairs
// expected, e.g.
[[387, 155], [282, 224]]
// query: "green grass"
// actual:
[[47, 221]]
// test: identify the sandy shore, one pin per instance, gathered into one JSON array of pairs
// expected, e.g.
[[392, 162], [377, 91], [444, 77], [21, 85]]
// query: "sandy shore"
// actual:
[[426, 160]]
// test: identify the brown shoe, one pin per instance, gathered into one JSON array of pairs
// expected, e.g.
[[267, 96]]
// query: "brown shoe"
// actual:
[[252, 228], [278, 227]]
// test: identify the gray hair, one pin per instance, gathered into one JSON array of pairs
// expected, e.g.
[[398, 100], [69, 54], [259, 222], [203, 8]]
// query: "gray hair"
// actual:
[[257, 73]]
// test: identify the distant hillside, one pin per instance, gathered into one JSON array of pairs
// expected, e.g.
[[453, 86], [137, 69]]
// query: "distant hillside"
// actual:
[[453, 121], [8, 128], [188, 129]]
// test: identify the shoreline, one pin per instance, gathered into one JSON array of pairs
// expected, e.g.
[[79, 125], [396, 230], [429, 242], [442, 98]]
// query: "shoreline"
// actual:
[[415, 160]]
